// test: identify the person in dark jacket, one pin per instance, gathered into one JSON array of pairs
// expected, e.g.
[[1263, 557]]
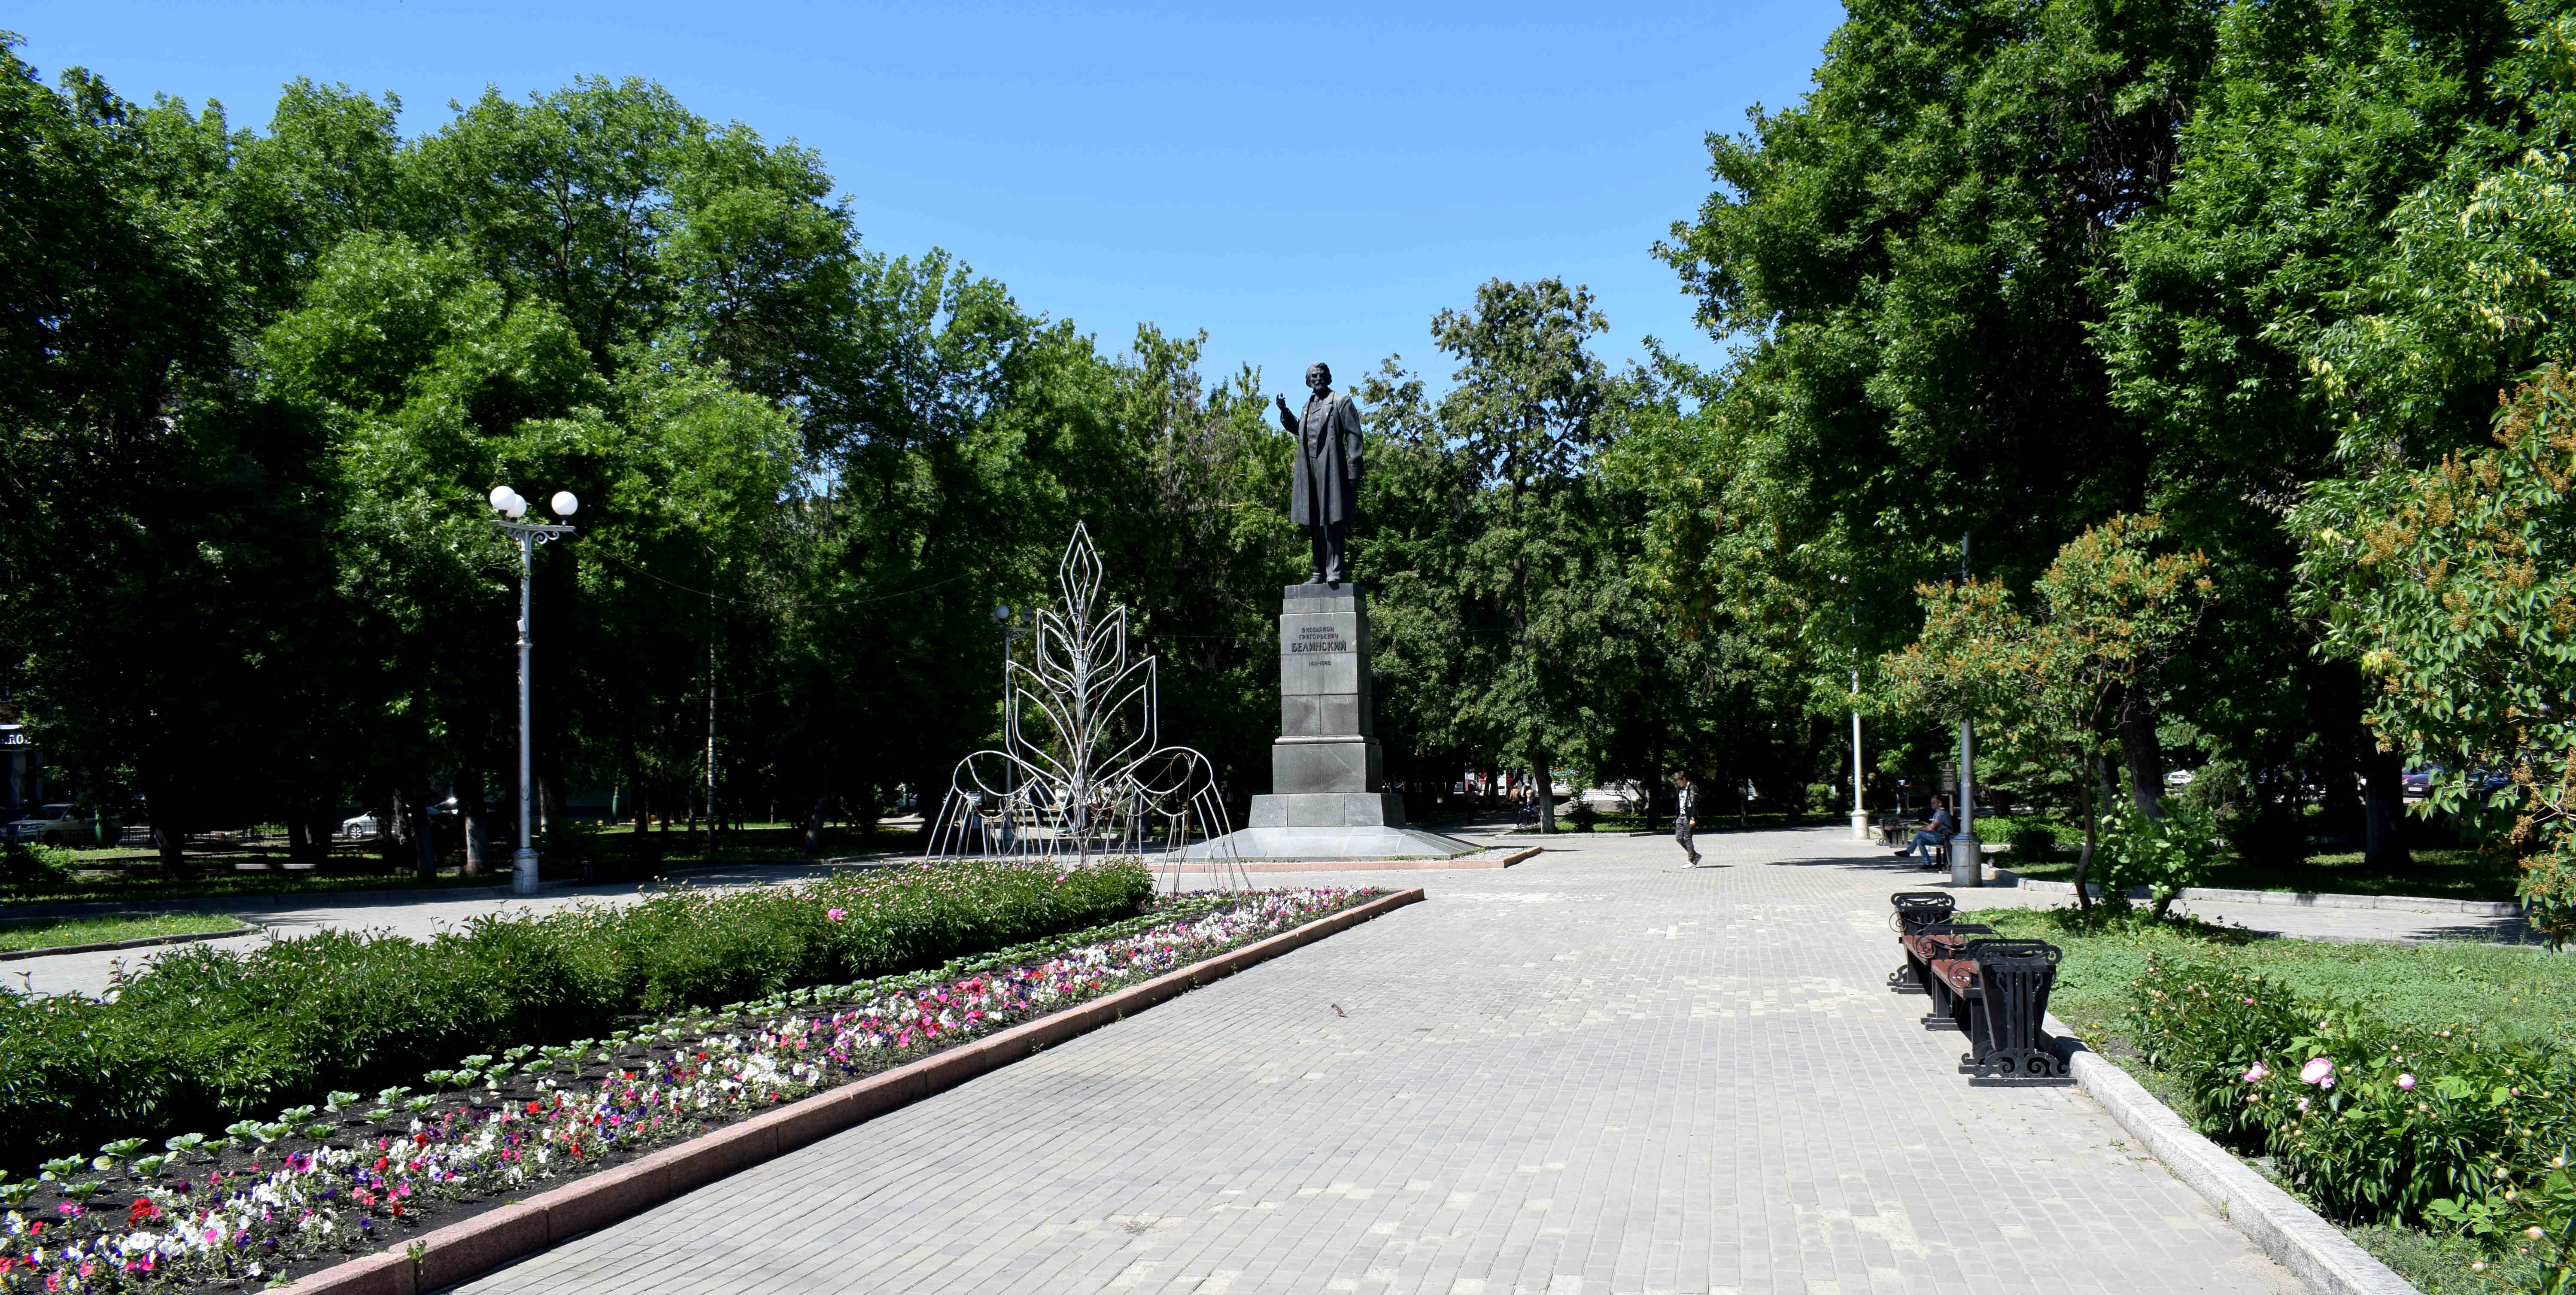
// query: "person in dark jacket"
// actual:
[[1685, 813]]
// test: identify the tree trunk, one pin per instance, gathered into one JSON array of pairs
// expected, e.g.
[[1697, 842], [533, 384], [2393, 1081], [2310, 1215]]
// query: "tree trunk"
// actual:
[[424, 843], [813, 842], [2092, 835], [2139, 748], [390, 836], [173, 846], [1545, 789], [469, 802], [2383, 801]]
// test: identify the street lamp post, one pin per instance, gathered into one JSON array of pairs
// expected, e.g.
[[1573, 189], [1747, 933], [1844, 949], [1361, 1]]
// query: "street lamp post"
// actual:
[[1967, 853], [523, 864], [1860, 809], [1011, 633]]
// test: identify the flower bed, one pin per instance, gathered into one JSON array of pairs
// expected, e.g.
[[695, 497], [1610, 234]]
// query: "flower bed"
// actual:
[[273, 1199], [2377, 1122], [204, 1036]]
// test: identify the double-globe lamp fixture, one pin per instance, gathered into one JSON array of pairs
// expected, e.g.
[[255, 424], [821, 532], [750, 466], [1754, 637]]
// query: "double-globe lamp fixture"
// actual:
[[514, 509]]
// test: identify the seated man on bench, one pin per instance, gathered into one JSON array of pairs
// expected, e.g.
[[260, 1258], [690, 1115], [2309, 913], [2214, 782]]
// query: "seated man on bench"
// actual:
[[1936, 835]]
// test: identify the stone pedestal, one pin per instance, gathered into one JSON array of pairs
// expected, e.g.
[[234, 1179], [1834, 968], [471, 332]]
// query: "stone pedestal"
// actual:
[[1328, 798]]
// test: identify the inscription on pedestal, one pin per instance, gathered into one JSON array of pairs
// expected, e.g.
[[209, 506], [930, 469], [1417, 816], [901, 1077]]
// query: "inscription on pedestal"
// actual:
[[1319, 638]]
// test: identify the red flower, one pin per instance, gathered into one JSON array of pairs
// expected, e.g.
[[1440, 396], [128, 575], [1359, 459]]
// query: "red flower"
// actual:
[[141, 1210]]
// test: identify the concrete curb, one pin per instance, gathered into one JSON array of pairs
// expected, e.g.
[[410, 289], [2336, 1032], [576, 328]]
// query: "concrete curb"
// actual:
[[2316, 1252], [2006, 877], [145, 942], [488, 1240], [1480, 859]]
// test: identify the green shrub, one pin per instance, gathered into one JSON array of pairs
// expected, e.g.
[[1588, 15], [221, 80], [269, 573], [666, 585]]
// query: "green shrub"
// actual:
[[2164, 855], [206, 1036], [27, 863], [2406, 1123], [2033, 842]]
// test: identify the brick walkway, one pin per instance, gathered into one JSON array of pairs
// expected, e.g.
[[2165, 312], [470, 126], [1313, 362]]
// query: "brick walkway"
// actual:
[[1593, 1073]]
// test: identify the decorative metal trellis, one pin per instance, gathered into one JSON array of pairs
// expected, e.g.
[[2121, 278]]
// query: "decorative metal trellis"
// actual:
[[1082, 772]]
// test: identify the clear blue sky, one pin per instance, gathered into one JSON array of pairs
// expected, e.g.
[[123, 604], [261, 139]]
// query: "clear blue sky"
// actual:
[[1301, 181]]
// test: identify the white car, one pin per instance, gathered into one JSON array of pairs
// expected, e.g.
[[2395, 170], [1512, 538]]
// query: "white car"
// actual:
[[362, 828], [2178, 778], [51, 823]]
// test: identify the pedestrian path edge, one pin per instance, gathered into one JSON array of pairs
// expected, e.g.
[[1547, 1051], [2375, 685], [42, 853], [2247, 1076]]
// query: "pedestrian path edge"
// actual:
[[2009, 880], [2325, 1261], [479, 1244]]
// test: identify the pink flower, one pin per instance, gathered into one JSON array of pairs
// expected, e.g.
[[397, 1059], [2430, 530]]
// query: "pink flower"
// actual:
[[2254, 1073], [2406, 1081], [2303, 1103], [835, 914], [2318, 1071]]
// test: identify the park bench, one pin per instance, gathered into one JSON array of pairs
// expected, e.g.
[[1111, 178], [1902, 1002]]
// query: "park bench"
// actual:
[[1993, 990], [1998, 994], [1915, 910], [1925, 946]]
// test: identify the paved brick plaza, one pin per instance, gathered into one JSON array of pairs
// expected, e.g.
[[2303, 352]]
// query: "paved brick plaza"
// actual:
[[1597, 1072]]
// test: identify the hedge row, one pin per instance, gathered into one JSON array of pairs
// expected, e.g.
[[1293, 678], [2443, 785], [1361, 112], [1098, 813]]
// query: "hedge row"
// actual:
[[206, 1036], [2377, 1122]]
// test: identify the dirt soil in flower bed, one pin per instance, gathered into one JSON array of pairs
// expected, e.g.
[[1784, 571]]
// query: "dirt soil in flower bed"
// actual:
[[363, 1153]]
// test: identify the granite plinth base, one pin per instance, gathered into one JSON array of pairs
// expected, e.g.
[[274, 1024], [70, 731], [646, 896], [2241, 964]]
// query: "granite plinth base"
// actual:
[[1327, 809], [1377, 842]]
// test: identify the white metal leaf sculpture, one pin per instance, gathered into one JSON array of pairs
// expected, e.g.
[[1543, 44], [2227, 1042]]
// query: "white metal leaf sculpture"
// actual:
[[1082, 772]]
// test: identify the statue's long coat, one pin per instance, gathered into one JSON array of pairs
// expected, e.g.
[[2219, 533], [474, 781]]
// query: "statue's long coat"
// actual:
[[1328, 462]]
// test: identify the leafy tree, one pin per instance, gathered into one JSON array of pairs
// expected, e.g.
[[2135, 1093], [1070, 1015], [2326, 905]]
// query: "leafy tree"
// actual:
[[2448, 585], [1503, 621], [1914, 257], [2049, 681]]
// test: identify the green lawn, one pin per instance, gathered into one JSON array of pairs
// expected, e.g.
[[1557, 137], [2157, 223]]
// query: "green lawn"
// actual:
[[54, 933], [217, 881], [2433, 874], [619, 855], [2510, 991]]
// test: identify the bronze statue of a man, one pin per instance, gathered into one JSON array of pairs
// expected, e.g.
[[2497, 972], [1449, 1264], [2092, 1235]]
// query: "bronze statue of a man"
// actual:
[[1328, 470]]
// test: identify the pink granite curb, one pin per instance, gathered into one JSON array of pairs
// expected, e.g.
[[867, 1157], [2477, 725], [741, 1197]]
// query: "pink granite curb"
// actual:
[[479, 1244]]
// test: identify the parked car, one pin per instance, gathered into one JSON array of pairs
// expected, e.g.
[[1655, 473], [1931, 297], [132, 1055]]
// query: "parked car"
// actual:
[[362, 828], [2178, 778], [52, 824]]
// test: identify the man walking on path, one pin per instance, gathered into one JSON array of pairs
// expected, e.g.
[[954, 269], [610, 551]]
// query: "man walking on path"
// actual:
[[1685, 808], [1937, 835]]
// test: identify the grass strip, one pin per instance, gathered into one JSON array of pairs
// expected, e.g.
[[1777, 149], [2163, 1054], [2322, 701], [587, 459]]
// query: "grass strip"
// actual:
[[52, 933]]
